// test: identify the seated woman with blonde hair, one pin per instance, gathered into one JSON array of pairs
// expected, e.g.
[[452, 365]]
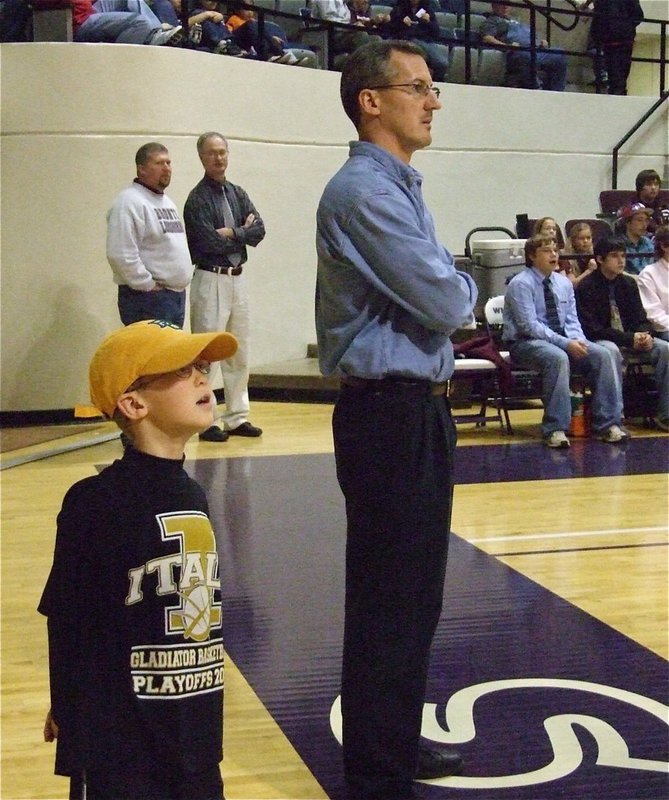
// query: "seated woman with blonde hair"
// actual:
[[579, 247]]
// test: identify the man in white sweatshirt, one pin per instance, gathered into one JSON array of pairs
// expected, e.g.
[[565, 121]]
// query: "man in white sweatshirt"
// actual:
[[146, 244]]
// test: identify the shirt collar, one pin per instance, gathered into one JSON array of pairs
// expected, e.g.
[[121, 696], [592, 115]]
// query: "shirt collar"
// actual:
[[215, 185], [404, 172], [539, 275], [148, 188]]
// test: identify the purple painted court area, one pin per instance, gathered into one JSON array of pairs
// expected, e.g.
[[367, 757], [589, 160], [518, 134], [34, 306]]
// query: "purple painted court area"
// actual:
[[280, 525], [586, 458]]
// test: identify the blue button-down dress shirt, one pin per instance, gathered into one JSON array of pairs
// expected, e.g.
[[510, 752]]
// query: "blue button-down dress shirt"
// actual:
[[388, 294]]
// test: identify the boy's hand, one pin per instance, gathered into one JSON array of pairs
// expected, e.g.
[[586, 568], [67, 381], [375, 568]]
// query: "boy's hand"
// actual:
[[50, 728]]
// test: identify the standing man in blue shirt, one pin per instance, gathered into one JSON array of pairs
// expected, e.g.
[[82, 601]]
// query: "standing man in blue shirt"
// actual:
[[388, 297], [552, 342]]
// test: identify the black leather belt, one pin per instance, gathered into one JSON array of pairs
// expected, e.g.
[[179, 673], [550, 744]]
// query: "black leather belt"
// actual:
[[221, 270], [392, 383]]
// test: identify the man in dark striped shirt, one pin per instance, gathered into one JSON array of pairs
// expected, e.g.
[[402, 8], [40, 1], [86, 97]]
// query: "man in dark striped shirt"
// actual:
[[220, 222]]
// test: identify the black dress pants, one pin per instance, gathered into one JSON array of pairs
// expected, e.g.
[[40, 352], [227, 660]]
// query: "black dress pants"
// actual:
[[618, 58], [148, 784], [394, 451]]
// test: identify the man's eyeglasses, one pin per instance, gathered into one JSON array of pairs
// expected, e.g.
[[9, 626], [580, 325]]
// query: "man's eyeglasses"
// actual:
[[420, 89], [202, 366]]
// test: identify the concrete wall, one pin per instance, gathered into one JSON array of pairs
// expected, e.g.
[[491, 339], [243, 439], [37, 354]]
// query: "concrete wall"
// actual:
[[74, 115]]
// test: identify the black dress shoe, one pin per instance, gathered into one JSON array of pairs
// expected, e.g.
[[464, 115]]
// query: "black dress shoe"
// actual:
[[437, 763], [214, 434], [245, 429]]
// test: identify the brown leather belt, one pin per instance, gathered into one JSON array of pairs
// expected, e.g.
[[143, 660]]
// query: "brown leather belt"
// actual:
[[392, 383], [221, 270]]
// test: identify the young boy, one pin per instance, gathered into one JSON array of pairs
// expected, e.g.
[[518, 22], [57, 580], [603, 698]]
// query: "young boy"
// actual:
[[133, 598], [610, 309], [544, 333], [634, 218], [648, 185]]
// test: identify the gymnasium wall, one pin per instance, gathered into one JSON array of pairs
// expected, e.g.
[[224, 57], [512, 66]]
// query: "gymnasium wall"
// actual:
[[73, 116]]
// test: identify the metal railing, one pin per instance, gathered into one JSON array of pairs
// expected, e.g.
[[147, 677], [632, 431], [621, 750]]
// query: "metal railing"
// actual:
[[616, 150], [564, 19]]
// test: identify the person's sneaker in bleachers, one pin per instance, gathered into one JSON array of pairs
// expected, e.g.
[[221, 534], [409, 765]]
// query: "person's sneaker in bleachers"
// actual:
[[171, 37], [285, 58], [226, 47], [195, 33], [308, 61]]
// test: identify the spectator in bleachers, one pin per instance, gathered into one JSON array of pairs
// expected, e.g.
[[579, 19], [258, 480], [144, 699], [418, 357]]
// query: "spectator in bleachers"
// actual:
[[633, 224], [14, 20], [613, 29], [543, 332], [610, 309], [648, 185], [416, 20], [579, 244], [124, 27], [243, 24], [169, 11], [653, 283], [345, 41], [361, 12], [213, 33], [547, 226], [502, 30]]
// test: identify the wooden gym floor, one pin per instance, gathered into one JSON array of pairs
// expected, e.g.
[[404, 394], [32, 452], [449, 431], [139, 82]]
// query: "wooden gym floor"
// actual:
[[554, 624]]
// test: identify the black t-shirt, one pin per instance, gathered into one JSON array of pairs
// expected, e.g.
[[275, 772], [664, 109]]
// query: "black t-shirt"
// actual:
[[134, 621]]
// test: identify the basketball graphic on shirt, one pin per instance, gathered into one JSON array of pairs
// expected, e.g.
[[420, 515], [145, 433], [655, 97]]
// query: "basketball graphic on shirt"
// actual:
[[196, 611]]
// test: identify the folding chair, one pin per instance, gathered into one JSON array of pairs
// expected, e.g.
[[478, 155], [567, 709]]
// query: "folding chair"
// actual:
[[522, 384], [599, 227], [479, 362], [52, 20]]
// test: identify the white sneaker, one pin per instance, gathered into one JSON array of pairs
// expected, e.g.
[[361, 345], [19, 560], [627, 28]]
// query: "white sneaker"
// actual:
[[172, 36], [613, 434], [557, 439], [195, 33], [285, 58]]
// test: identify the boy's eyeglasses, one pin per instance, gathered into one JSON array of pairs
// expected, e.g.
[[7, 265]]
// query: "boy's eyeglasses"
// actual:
[[419, 88], [202, 366]]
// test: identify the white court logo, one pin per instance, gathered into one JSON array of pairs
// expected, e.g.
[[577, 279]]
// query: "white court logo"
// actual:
[[458, 727]]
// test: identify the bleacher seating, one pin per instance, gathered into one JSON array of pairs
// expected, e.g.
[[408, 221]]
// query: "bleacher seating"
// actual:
[[611, 200], [599, 227], [52, 20], [457, 65], [491, 68]]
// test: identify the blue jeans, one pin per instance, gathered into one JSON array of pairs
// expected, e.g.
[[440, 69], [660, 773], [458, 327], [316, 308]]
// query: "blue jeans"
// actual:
[[659, 358], [115, 26], [551, 64], [600, 369], [122, 21], [134, 306]]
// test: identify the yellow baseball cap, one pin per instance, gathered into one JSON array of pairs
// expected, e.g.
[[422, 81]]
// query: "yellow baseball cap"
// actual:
[[150, 347]]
